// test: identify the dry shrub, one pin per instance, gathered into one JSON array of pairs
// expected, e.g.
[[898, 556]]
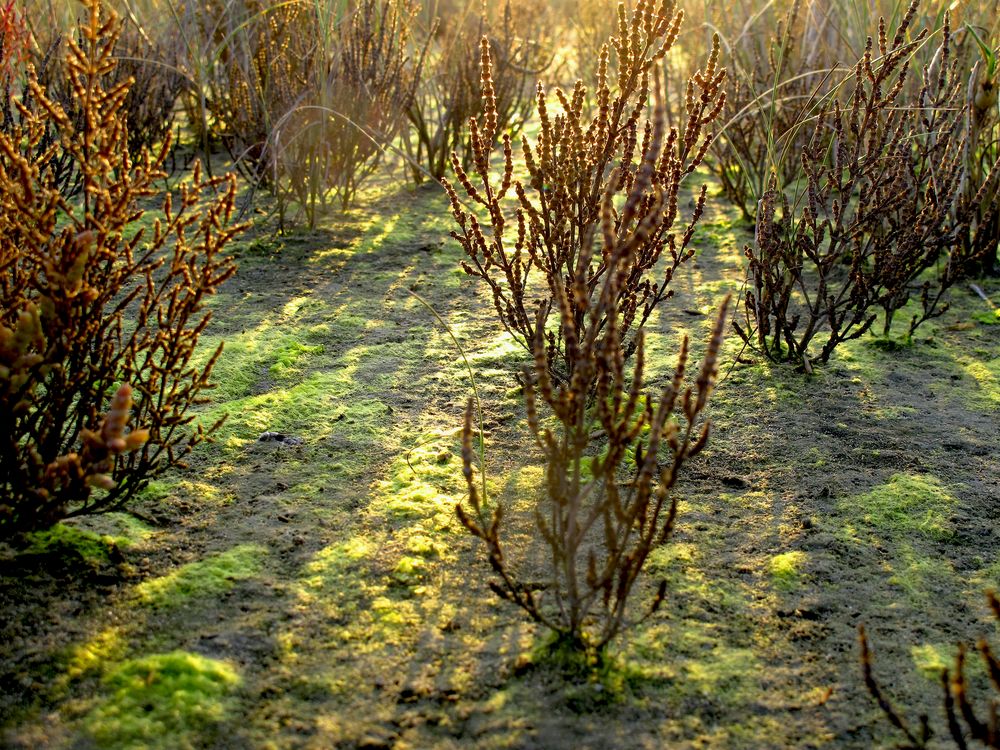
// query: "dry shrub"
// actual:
[[980, 237], [601, 513], [260, 71], [17, 96], [592, 218], [15, 39], [146, 58], [151, 62], [777, 83], [787, 63], [884, 200], [965, 722], [91, 307], [606, 179], [521, 50], [449, 90], [330, 143], [308, 97], [589, 25]]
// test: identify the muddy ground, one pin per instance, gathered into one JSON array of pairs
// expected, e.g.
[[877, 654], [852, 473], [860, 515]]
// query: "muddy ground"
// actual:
[[321, 593]]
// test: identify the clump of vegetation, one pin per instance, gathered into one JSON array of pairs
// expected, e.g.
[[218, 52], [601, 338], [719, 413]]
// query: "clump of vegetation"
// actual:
[[91, 309], [611, 179], [770, 97], [964, 720], [18, 47], [146, 64], [151, 63], [599, 526], [449, 91], [248, 64], [589, 25], [357, 108], [167, 699], [14, 39], [981, 236], [211, 576], [308, 98], [883, 202]]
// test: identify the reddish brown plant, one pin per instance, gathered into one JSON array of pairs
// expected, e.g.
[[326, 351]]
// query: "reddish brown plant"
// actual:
[[590, 181], [91, 308], [966, 723]]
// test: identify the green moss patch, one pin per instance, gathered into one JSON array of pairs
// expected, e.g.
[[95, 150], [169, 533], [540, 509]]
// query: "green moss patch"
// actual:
[[786, 570], [699, 649], [987, 377], [162, 701], [67, 541], [212, 575], [988, 577], [424, 484], [699, 663], [990, 318], [921, 575], [725, 674], [312, 409], [910, 515], [931, 659], [908, 504], [289, 356], [336, 582], [680, 564], [95, 655], [363, 599]]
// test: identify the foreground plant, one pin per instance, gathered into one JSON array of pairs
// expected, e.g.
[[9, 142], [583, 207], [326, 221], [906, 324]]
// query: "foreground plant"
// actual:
[[92, 310], [593, 219], [965, 722], [612, 176], [603, 512]]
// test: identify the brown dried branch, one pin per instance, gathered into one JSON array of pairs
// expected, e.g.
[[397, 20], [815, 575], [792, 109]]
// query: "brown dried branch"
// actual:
[[963, 719]]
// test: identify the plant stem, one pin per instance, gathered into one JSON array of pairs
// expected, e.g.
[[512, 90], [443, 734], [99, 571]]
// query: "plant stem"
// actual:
[[472, 379]]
